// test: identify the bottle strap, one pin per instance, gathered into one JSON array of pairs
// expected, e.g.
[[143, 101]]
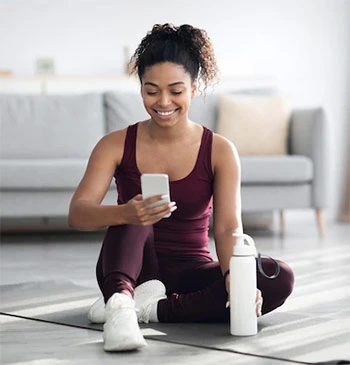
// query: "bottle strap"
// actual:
[[262, 272]]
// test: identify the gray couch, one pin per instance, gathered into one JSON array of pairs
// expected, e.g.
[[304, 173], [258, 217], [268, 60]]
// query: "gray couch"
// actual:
[[46, 141]]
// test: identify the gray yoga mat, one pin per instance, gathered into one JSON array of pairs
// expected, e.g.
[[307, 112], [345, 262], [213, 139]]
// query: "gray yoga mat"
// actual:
[[306, 334]]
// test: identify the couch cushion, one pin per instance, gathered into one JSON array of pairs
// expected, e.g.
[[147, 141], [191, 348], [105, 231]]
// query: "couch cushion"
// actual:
[[50, 126], [41, 173], [256, 124], [285, 169], [125, 108]]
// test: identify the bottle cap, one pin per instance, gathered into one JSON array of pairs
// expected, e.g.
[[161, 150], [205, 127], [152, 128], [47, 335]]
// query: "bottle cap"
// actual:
[[245, 245]]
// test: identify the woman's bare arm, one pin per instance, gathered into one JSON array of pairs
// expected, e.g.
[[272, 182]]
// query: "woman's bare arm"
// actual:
[[227, 198], [86, 211]]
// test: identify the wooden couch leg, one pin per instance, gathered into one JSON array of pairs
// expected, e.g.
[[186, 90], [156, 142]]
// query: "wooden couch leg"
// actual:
[[320, 222], [282, 221]]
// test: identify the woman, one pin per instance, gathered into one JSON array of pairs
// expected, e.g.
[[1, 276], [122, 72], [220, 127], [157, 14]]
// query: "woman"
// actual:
[[153, 268]]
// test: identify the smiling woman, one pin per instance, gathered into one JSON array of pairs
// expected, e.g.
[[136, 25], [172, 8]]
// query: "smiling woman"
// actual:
[[162, 266]]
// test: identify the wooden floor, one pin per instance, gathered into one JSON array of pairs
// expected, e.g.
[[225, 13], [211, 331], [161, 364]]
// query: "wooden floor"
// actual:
[[72, 256]]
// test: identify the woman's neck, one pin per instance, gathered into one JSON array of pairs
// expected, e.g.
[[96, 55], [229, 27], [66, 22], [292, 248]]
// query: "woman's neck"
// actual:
[[168, 134]]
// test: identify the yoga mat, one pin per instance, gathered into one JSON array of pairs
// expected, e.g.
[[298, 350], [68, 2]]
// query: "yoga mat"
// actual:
[[304, 332]]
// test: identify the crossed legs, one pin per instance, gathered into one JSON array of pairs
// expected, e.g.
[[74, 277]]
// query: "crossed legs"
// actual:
[[195, 288]]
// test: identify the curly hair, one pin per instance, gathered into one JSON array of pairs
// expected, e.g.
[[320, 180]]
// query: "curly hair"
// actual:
[[184, 45]]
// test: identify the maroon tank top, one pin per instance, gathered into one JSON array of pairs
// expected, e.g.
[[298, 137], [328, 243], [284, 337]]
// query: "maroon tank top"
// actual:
[[185, 232]]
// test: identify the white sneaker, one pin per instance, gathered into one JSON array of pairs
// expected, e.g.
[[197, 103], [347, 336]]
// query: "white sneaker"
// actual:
[[146, 295], [121, 331], [96, 312]]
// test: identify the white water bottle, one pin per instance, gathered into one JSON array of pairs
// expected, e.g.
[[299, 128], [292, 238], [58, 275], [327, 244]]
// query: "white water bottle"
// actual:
[[243, 286]]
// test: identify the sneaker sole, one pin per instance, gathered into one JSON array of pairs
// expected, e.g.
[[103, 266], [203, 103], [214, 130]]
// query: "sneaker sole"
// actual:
[[125, 344]]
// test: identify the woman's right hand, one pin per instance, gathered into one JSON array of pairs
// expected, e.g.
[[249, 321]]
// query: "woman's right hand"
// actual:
[[136, 210]]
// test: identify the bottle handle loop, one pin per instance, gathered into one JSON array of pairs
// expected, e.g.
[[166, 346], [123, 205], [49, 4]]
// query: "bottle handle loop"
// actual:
[[251, 242], [262, 272]]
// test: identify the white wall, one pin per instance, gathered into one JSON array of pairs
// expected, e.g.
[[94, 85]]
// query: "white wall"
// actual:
[[302, 44]]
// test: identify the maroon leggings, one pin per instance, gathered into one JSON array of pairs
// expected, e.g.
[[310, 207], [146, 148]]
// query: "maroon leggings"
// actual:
[[195, 286]]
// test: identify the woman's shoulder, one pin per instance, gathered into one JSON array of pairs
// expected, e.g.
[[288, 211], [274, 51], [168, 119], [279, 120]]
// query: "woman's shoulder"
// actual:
[[115, 136], [120, 134], [222, 143], [112, 143], [115, 140], [223, 149]]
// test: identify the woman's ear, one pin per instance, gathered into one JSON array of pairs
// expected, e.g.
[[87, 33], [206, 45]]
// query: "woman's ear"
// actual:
[[194, 89]]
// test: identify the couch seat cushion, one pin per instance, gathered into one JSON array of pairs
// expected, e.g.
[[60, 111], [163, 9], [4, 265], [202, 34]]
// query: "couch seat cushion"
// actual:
[[279, 169], [41, 173]]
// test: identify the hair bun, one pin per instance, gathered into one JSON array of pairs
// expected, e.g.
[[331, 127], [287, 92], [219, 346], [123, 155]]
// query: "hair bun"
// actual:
[[185, 45], [163, 31]]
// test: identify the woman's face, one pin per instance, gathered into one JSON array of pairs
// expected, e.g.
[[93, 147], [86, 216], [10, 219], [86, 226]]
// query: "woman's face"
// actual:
[[167, 90]]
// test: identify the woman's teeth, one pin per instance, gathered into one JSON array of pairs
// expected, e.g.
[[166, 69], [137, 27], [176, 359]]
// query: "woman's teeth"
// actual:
[[165, 113]]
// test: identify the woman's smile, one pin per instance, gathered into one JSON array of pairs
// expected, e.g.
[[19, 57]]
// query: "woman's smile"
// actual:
[[166, 114]]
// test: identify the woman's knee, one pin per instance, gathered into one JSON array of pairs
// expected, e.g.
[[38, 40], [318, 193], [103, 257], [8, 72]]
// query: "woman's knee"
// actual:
[[129, 229], [128, 233], [282, 285], [286, 279]]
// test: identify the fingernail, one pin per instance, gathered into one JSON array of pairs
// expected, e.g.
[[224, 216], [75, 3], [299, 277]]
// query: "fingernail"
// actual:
[[164, 196], [227, 304], [173, 208]]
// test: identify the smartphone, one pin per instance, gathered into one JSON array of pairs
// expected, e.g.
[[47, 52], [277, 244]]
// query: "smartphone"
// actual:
[[155, 184]]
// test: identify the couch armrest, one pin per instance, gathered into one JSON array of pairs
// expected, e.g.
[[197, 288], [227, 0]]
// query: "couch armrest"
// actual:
[[309, 136]]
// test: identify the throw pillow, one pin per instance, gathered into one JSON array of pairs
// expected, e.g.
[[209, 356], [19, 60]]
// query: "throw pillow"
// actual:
[[256, 124]]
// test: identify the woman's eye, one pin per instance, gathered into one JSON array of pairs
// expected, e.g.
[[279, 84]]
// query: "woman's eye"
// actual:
[[152, 93]]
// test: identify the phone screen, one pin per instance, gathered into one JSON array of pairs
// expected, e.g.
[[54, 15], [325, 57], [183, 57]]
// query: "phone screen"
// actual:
[[155, 184]]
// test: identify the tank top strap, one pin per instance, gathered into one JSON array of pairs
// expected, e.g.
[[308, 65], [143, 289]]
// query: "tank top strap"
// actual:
[[129, 154], [205, 151]]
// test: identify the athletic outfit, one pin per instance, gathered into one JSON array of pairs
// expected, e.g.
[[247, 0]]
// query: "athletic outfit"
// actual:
[[175, 250]]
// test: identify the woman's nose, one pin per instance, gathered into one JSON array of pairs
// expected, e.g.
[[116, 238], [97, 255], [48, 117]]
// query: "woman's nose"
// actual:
[[164, 99]]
